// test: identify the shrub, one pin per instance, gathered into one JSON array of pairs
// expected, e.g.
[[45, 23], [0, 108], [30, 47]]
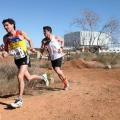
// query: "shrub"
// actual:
[[8, 71], [84, 56], [108, 58]]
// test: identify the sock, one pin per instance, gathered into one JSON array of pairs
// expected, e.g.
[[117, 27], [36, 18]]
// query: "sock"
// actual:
[[65, 81], [19, 98], [43, 77]]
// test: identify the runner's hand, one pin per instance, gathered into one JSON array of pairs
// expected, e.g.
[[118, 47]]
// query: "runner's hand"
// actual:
[[33, 50], [4, 54], [60, 50]]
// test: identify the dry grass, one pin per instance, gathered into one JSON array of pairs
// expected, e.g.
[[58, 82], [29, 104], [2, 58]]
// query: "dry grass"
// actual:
[[112, 59], [8, 74], [8, 71]]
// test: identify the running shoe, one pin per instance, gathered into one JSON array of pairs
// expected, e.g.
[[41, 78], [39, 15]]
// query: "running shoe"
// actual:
[[17, 103], [66, 85], [45, 79]]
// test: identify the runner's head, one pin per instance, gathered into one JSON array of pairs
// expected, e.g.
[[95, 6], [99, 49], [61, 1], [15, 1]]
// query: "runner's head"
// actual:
[[47, 30], [8, 23]]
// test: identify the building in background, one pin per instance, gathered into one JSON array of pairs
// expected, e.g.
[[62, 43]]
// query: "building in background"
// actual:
[[92, 40], [86, 38]]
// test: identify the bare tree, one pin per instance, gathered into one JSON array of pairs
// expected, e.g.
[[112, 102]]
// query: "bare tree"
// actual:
[[91, 18], [81, 22], [88, 22], [111, 28]]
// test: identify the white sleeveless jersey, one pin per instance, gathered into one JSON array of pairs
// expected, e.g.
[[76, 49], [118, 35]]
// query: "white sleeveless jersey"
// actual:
[[53, 47]]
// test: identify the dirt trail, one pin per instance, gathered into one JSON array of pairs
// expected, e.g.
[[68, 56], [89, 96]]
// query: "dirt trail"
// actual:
[[94, 95]]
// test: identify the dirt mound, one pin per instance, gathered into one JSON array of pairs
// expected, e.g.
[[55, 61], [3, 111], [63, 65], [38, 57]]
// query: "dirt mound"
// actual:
[[81, 64], [74, 63]]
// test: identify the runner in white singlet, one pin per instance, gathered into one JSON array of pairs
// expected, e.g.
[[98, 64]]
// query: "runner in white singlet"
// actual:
[[51, 43]]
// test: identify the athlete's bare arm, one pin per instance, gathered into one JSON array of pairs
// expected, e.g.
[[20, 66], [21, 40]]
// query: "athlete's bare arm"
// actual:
[[59, 39], [42, 49], [5, 52], [29, 41]]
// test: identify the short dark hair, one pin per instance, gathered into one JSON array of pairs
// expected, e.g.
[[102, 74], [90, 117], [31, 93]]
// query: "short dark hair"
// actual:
[[11, 21], [47, 28]]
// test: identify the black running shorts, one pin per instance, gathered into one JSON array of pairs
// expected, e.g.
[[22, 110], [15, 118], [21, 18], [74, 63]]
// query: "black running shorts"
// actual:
[[57, 62], [23, 61]]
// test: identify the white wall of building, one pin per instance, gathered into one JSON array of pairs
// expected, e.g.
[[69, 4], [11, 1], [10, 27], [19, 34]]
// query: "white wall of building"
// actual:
[[84, 37]]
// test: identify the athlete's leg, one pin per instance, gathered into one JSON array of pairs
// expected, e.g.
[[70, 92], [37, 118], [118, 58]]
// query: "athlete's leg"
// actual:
[[56, 64], [30, 77], [18, 102], [62, 77], [59, 73], [20, 76]]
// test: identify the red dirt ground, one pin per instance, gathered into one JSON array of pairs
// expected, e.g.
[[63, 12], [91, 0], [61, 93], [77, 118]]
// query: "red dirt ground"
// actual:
[[94, 94]]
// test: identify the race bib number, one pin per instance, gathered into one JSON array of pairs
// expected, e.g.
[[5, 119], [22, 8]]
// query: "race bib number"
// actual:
[[18, 53]]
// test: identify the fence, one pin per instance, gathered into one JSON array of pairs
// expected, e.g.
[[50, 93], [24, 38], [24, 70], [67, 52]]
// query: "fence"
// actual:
[[110, 50]]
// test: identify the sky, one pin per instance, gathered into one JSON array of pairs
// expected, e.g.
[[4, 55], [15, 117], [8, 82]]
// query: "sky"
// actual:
[[32, 15]]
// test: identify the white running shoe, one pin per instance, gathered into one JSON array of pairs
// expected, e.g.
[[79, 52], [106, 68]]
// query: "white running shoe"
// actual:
[[17, 104], [46, 81], [66, 86]]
